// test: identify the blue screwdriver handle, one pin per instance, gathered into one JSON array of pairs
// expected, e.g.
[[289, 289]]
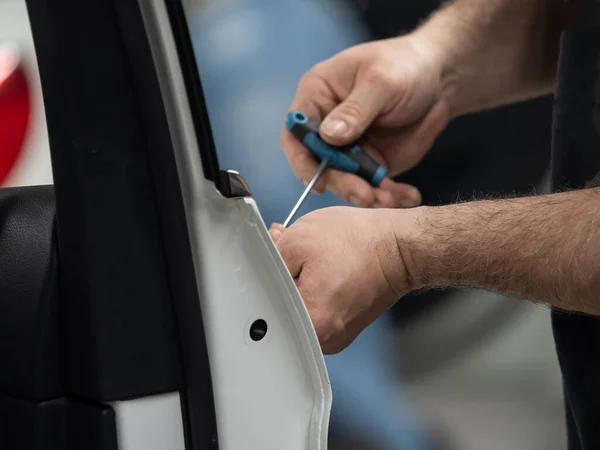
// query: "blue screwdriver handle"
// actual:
[[353, 158]]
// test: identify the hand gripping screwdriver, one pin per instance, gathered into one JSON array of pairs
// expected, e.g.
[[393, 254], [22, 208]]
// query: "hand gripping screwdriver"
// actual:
[[352, 158]]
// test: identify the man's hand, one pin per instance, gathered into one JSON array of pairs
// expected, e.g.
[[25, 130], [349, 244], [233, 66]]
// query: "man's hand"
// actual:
[[347, 267], [396, 95], [389, 94], [351, 264]]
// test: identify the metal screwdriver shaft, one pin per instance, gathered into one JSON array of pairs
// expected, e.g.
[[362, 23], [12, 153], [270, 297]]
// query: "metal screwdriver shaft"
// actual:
[[309, 187]]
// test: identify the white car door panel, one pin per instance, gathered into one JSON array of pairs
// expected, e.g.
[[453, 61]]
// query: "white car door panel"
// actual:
[[278, 384]]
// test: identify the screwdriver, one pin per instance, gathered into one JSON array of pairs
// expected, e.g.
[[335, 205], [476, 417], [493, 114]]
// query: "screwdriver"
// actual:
[[352, 158]]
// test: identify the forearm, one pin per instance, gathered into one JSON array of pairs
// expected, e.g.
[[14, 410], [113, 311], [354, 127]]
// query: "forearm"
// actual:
[[494, 52], [544, 248]]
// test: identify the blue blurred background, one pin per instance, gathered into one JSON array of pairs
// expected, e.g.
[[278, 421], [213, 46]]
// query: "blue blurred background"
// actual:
[[250, 56], [443, 369]]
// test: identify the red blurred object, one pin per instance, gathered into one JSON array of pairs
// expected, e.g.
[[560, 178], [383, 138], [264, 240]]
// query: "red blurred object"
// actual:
[[15, 107]]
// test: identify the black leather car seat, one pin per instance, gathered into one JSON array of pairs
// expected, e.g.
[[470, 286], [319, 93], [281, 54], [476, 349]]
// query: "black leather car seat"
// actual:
[[29, 342], [35, 411]]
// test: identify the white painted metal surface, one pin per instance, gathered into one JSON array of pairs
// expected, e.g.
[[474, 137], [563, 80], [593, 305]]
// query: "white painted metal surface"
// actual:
[[273, 394], [150, 423]]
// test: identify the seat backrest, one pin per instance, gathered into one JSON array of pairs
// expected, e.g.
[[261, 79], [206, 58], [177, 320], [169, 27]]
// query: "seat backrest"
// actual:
[[36, 412], [29, 340], [31, 395]]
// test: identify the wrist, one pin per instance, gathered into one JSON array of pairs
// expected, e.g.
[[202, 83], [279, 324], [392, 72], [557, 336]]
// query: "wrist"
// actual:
[[437, 45], [412, 247], [484, 63]]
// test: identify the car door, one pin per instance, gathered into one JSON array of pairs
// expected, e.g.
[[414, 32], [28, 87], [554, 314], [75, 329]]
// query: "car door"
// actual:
[[179, 323], [256, 322]]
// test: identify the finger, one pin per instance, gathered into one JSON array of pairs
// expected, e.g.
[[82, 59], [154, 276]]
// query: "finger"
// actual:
[[390, 194], [278, 227], [415, 140], [323, 321], [384, 199], [358, 192], [350, 188], [349, 120], [301, 160], [276, 231], [396, 195], [332, 336], [291, 253], [315, 99]]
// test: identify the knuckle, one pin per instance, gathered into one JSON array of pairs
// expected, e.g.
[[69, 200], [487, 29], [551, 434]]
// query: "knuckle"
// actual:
[[289, 248], [309, 78], [352, 110], [323, 330], [338, 326], [329, 328], [388, 78], [378, 74], [301, 165], [303, 220], [365, 193], [383, 72], [284, 248], [303, 81], [319, 69]]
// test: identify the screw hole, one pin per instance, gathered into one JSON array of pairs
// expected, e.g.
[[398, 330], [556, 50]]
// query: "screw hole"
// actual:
[[300, 117], [258, 330]]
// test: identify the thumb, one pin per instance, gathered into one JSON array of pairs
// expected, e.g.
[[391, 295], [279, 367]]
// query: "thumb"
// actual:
[[349, 120]]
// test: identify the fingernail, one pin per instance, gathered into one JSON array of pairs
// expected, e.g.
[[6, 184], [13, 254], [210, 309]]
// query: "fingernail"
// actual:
[[334, 128], [314, 191]]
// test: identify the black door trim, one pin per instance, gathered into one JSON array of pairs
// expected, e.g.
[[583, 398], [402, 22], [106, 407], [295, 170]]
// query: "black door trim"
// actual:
[[130, 310]]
